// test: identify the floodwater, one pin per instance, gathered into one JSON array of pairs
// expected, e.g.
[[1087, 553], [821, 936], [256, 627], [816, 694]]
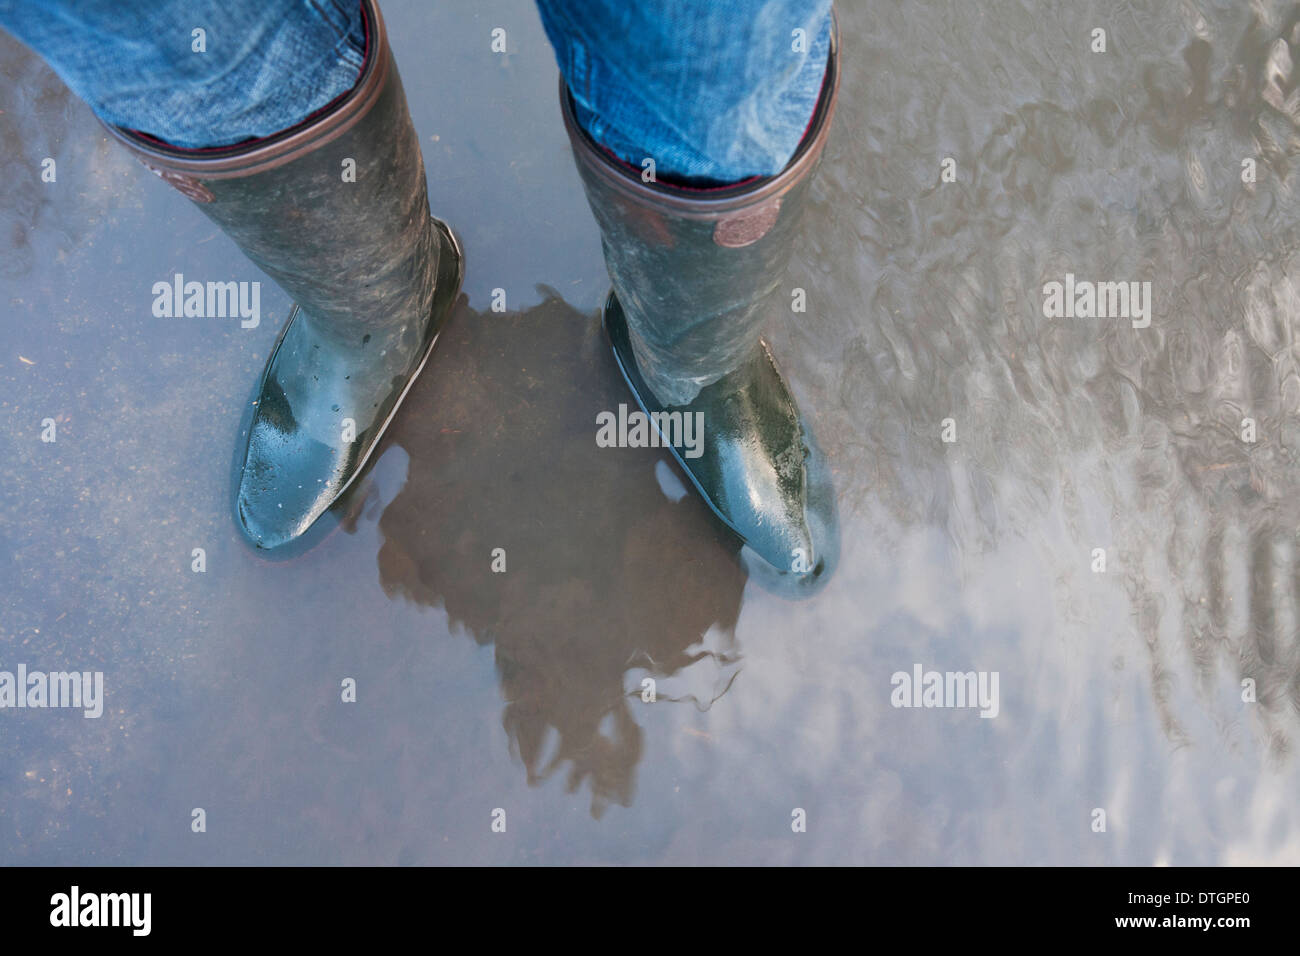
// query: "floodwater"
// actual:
[[1163, 690]]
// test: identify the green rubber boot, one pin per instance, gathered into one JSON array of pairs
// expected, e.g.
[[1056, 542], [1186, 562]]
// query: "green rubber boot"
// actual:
[[372, 274], [695, 274]]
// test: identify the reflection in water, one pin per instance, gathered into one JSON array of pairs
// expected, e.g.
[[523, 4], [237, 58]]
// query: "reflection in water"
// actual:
[[1124, 168], [606, 576], [38, 111]]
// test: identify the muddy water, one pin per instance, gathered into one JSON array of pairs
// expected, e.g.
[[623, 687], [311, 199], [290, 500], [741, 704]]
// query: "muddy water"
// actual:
[[1119, 690]]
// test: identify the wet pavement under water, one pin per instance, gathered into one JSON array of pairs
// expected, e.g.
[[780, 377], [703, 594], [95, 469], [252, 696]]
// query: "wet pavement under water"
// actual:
[[1119, 690]]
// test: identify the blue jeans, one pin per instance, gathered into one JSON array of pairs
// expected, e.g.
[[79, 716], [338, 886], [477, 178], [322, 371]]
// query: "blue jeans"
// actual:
[[712, 90]]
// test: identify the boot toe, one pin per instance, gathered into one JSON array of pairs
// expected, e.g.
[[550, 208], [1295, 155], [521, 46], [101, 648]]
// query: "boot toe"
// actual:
[[788, 520], [288, 482], [759, 468]]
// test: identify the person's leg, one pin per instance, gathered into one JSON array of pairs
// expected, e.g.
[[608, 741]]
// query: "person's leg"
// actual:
[[714, 91], [197, 74], [292, 134], [732, 100]]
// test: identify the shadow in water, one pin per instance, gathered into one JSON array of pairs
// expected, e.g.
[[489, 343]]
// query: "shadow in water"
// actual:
[[36, 114], [611, 569]]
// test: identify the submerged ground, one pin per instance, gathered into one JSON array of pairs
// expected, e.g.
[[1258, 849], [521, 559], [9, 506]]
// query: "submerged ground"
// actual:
[[1126, 690]]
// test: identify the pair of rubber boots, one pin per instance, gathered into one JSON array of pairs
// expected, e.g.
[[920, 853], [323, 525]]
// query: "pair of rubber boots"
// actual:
[[374, 276]]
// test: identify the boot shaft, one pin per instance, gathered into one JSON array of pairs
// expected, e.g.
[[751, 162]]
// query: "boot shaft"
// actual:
[[697, 270], [335, 210]]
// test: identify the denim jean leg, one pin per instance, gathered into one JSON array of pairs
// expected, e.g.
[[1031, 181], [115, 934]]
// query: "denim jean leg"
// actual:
[[197, 73], [713, 92]]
